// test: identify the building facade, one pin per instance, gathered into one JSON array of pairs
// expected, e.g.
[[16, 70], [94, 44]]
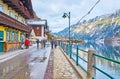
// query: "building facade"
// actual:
[[13, 23], [38, 31]]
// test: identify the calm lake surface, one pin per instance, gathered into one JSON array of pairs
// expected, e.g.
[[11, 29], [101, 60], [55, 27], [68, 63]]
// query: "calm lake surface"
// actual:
[[106, 50]]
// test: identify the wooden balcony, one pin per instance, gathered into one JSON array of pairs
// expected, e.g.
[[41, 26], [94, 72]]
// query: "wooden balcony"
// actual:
[[11, 22], [18, 7]]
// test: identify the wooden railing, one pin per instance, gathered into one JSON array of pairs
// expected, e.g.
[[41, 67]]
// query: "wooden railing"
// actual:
[[11, 22]]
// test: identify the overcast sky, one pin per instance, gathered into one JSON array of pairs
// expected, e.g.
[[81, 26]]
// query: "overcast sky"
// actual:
[[52, 10]]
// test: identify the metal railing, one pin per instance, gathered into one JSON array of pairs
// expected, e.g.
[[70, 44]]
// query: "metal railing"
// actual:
[[74, 53]]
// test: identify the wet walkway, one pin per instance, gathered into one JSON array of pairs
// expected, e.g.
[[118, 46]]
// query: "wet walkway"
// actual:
[[44, 64], [62, 69], [24, 64], [38, 63]]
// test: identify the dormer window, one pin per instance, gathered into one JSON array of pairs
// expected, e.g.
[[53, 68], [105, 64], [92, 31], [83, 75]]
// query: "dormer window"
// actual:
[[23, 21], [11, 13], [21, 4], [1, 8], [37, 28], [16, 17]]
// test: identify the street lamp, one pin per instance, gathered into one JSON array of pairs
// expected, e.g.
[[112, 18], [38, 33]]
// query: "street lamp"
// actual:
[[64, 16]]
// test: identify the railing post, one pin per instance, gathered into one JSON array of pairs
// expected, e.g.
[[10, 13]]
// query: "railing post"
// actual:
[[77, 55], [63, 46], [70, 51], [67, 49], [60, 43], [91, 61]]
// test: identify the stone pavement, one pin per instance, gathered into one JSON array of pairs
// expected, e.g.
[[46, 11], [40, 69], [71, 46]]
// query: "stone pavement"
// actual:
[[49, 70], [61, 68]]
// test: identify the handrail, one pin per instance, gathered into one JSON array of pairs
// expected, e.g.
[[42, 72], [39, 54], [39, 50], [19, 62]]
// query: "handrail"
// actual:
[[103, 72], [83, 59], [115, 61], [82, 68], [73, 58], [88, 62], [81, 49], [79, 57]]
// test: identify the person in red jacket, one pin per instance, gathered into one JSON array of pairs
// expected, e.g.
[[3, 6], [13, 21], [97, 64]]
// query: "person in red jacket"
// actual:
[[27, 42]]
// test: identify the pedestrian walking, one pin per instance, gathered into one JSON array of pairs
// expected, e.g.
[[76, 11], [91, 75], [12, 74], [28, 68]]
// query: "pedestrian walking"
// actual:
[[44, 42], [55, 43], [37, 43], [27, 42], [52, 43]]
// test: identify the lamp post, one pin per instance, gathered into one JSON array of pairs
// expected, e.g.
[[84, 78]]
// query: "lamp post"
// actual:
[[64, 16]]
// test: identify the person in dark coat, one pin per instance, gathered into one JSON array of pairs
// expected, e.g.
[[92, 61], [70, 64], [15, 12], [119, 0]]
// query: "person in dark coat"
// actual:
[[44, 42], [37, 43], [55, 43], [52, 43]]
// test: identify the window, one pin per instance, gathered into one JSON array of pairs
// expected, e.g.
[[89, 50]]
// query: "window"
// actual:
[[11, 13], [13, 36], [37, 28], [16, 36], [16, 17], [22, 21], [1, 35], [1, 8], [8, 36], [22, 37]]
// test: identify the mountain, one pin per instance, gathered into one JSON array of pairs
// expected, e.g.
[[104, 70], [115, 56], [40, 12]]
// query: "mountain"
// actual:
[[99, 28]]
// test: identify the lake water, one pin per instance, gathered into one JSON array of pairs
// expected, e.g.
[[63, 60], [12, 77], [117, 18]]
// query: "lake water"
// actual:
[[106, 50]]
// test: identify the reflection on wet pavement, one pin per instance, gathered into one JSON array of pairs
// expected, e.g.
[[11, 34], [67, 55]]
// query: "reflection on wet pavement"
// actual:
[[39, 59], [38, 63], [30, 64]]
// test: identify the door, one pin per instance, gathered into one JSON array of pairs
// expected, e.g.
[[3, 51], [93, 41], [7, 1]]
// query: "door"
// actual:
[[1, 41]]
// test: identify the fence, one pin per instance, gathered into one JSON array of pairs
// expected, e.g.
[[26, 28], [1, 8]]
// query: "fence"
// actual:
[[88, 59]]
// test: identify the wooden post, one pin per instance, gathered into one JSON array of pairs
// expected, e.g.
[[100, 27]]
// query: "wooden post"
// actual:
[[91, 61]]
